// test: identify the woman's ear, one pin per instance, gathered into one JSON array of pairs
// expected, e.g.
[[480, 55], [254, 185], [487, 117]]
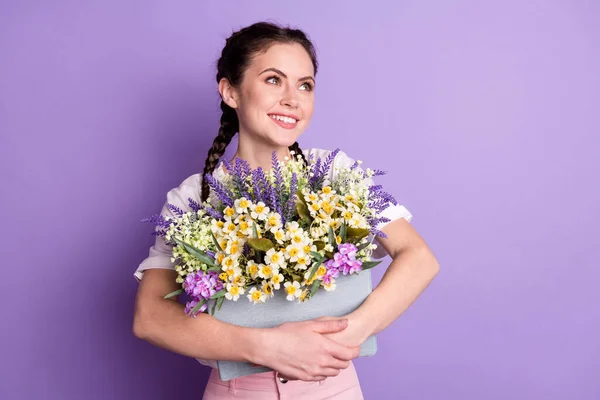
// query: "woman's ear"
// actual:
[[228, 93]]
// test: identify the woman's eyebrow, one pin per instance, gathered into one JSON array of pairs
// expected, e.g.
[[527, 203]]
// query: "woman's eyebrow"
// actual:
[[284, 75]]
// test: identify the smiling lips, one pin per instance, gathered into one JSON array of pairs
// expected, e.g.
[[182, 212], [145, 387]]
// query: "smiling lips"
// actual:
[[285, 121]]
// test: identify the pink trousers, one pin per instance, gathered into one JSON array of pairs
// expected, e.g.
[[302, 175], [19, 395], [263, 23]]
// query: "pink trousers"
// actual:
[[267, 386]]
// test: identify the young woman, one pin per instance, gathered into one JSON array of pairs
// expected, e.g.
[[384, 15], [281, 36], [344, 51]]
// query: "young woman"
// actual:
[[266, 79]]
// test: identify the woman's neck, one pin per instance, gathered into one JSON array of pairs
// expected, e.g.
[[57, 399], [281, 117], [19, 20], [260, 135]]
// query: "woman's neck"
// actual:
[[259, 155]]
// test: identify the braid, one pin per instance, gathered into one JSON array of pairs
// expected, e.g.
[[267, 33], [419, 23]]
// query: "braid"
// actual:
[[298, 151], [228, 129]]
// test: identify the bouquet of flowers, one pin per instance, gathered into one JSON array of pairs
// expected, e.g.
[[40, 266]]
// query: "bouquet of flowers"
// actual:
[[289, 228]]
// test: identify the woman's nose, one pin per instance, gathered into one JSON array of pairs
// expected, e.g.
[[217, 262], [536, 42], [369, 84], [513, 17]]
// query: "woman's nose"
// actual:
[[289, 99]]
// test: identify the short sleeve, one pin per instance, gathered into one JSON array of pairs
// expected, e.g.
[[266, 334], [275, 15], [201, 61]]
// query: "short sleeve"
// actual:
[[160, 253], [392, 212]]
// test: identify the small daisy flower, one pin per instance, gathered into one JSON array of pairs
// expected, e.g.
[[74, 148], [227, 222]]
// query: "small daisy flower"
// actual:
[[275, 257], [293, 251], [293, 290], [259, 211], [273, 221], [252, 269], [302, 263], [267, 288], [330, 286], [233, 292], [229, 213], [276, 281], [265, 272], [279, 234], [241, 205], [255, 295]]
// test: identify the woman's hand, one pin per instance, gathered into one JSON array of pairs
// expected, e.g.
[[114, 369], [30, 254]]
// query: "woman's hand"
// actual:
[[301, 350], [353, 336]]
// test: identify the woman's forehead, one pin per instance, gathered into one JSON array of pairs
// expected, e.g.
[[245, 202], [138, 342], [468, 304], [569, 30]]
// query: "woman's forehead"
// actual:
[[290, 58]]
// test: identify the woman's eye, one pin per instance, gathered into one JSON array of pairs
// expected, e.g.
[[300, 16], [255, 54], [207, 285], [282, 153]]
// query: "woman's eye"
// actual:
[[273, 79], [307, 87]]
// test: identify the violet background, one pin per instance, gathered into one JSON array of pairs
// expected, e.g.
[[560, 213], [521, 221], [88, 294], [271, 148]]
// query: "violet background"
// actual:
[[486, 114]]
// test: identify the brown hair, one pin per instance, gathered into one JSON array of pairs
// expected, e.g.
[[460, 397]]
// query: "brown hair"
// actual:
[[236, 56]]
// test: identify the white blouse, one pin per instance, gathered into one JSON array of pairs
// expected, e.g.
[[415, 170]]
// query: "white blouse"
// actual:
[[160, 253]]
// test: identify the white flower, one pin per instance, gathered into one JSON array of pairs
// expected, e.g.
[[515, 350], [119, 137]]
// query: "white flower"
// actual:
[[266, 271], [233, 292], [275, 258], [330, 287], [293, 251], [252, 268], [230, 261], [302, 262], [292, 227], [279, 234], [241, 205], [256, 295], [328, 248], [276, 281], [259, 211], [273, 221], [293, 290]]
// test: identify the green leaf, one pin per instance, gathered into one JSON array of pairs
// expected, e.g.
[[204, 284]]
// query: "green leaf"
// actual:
[[195, 309], [261, 244], [370, 264], [303, 212], [362, 247], [332, 237], [199, 254], [315, 287], [173, 294], [213, 308], [218, 295], [320, 244], [356, 234], [316, 256], [220, 302], [314, 270], [343, 232], [254, 231], [216, 242], [216, 268]]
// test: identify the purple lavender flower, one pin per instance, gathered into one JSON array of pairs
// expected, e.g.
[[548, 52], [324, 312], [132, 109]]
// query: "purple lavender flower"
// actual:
[[219, 189], [278, 190], [176, 210], [194, 205]]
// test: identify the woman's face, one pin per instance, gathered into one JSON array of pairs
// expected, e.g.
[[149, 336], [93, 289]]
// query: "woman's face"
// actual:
[[275, 99]]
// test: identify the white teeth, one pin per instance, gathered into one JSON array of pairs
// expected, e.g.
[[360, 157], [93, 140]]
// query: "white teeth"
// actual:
[[284, 119]]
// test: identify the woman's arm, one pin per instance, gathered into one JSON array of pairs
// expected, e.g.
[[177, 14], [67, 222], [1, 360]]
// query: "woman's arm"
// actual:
[[164, 324], [412, 269]]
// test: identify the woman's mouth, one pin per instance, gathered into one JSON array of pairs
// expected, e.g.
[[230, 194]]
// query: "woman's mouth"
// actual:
[[284, 121]]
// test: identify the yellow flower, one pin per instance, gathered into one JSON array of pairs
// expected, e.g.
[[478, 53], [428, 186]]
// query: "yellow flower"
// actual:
[[303, 295], [327, 189], [292, 290], [276, 281], [268, 289], [338, 239], [265, 271], [321, 271], [229, 212], [315, 206], [223, 276], [256, 295]]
